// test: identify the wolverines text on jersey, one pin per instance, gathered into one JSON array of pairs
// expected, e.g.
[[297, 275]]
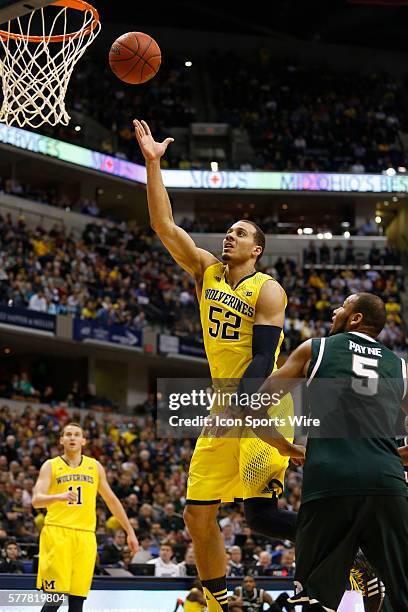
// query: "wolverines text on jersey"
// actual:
[[84, 481], [227, 319]]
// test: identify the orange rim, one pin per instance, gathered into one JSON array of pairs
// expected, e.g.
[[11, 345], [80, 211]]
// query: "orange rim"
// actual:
[[79, 5]]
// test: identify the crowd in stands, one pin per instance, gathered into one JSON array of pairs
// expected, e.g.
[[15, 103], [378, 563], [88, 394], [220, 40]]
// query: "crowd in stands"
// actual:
[[147, 474], [208, 223], [305, 117], [116, 274], [48, 195], [310, 117], [164, 102]]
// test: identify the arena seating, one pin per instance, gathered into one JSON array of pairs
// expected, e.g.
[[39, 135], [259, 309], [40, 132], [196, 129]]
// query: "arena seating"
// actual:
[[148, 475], [306, 117], [116, 275]]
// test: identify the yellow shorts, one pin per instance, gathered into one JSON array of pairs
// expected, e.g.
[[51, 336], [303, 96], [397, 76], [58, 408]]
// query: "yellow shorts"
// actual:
[[226, 469], [67, 560]]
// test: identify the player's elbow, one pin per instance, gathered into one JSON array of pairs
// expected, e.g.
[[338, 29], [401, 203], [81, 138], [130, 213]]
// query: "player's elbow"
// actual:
[[35, 502], [162, 227]]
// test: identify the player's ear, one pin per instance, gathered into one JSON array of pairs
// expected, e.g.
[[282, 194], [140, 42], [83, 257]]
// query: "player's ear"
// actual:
[[355, 320], [257, 250]]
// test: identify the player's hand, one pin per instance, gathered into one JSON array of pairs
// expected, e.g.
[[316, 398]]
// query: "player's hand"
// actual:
[[69, 496], [298, 461], [151, 149], [133, 542], [297, 453]]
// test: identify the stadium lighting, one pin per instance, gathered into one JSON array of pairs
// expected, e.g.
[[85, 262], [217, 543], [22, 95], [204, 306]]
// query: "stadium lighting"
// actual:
[[394, 199], [390, 172], [308, 230], [300, 231], [214, 166], [188, 64], [345, 224], [77, 128], [320, 236], [67, 209], [378, 219], [402, 169], [346, 234], [327, 235]]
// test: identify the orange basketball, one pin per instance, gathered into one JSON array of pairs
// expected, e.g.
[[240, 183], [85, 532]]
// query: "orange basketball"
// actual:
[[135, 57]]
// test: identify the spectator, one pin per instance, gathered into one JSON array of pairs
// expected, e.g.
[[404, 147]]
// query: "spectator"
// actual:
[[164, 566], [188, 565], [112, 551], [236, 568], [286, 564], [228, 535], [11, 563], [143, 555], [38, 302], [264, 564], [171, 521], [15, 512], [349, 257], [369, 228]]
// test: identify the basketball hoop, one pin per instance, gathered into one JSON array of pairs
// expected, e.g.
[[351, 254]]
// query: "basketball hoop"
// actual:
[[40, 54]]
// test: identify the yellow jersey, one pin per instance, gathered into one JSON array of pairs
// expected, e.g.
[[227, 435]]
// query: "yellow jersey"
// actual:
[[84, 481], [227, 319]]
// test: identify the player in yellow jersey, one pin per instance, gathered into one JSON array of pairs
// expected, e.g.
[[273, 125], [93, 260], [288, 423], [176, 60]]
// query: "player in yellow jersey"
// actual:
[[67, 487], [242, 315]]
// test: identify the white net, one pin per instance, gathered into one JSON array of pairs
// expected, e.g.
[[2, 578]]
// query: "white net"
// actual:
[[40, 54]]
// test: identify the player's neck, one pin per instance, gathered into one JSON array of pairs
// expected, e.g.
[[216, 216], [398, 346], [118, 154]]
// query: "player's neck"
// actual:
[[73, 459], [236, 273]]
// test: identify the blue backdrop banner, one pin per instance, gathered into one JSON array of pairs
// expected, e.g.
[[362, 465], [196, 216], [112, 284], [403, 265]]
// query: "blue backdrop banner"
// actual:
[[32, 319], [89, 329]]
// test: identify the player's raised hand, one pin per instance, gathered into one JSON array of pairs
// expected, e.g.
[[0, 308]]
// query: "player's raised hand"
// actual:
[[133, 542], [151, 149], [69, 496]]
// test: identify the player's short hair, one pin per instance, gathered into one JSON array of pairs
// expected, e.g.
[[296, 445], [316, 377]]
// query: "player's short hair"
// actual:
[[259, 237], [373, 310], [72, 424]]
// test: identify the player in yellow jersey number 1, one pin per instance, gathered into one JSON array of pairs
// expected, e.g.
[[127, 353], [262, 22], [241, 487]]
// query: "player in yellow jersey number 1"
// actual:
[[242, 315], [67, 487]]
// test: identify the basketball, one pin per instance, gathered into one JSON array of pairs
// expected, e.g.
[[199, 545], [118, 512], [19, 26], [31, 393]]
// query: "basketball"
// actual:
[[135, 57]]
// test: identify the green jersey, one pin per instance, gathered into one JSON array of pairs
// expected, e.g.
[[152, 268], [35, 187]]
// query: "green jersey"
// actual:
[[366, 397]]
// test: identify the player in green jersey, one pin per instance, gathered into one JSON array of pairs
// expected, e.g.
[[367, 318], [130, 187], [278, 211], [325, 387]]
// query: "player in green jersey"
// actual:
[[354, 493]]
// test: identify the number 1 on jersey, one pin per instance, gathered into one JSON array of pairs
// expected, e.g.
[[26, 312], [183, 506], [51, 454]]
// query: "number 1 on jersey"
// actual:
[[79, 496]]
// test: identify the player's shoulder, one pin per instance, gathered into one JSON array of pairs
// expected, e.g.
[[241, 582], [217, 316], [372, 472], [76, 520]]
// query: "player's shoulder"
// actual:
[[90, 461], [260, 278], [215, 270], [270, 287]]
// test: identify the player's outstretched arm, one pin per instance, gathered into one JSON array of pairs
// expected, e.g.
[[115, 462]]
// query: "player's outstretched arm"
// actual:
[[117, 509], [41, 498], [281, 382], [179, 244], [287, 377]]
